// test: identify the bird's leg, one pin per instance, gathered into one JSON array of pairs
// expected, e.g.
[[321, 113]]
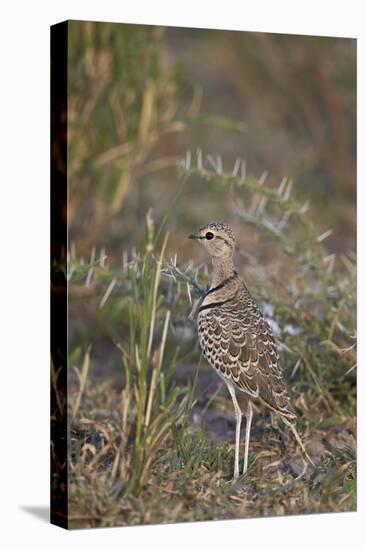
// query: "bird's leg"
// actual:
[[248, 426], [238, 415]]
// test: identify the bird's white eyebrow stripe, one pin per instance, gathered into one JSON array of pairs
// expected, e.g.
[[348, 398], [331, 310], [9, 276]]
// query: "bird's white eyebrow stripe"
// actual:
[[222, 238]]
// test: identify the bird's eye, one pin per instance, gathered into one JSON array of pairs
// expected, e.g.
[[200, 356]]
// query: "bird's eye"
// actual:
[[209, 235]]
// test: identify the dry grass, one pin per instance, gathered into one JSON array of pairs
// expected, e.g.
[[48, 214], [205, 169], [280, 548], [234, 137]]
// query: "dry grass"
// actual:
[[191, 476]]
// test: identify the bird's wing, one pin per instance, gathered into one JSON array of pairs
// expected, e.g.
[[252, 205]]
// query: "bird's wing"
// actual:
[[224, 345], [240, 346]]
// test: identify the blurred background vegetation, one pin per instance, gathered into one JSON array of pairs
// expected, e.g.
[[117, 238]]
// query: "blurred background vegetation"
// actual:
[[139, 97], [172, 128]]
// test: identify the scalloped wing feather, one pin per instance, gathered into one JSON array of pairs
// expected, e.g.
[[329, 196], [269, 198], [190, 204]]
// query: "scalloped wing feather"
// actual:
[[237, 341]]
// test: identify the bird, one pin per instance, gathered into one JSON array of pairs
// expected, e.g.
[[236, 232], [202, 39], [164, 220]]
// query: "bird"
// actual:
[[237, 340]]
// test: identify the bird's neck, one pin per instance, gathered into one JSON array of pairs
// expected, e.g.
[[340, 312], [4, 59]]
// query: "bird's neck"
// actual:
[[223, 268]]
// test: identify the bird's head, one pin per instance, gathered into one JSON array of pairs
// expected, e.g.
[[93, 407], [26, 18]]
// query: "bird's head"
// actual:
[[217, 238]]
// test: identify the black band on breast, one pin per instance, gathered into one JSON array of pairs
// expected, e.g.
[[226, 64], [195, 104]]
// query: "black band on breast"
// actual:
[[221, 285], [215, 304]]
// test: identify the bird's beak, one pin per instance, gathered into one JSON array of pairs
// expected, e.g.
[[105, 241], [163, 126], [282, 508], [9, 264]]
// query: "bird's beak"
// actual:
[[193, 236]]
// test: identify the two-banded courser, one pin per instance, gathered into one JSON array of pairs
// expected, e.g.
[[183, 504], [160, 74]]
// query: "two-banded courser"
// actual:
[[237, 340]]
